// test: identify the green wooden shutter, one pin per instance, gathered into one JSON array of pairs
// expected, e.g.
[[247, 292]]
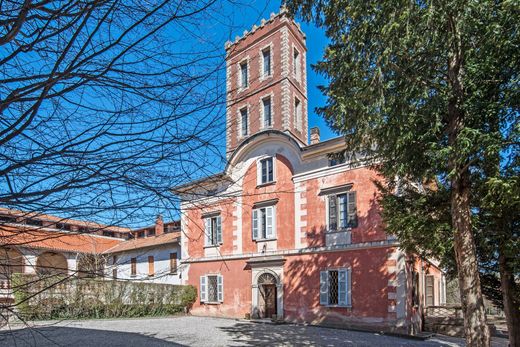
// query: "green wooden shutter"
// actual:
[[203, 289], [324, 288], [352, 210], [220, 288], [333, 215], [219, 230], [255, 224]]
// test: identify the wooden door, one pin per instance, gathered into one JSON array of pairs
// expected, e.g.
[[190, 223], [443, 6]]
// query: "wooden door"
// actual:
[[269, 300]]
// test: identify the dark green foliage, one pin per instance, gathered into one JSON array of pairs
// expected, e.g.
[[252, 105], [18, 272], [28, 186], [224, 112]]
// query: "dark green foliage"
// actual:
[[90, 298]]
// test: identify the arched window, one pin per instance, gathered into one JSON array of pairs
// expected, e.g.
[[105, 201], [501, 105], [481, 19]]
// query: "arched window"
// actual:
[[266, 278]]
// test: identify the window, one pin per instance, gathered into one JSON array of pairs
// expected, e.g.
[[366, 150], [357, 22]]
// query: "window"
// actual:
[[266, 62], [133, 266], [151, 232], [337, 160], [140, 234], [267, 112], [173, 263], [211, 289], [297, 114], [244, 122], [108, 233], [213, 230], [114, 273], [266, 171], [63, 226], [243, 75], [297, 64], [335, 287], [151, 267], [342, 211], [264, 223], [430, 297]]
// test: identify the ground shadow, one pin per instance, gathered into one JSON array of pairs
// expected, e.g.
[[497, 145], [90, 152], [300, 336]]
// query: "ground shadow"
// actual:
[[65, 336]]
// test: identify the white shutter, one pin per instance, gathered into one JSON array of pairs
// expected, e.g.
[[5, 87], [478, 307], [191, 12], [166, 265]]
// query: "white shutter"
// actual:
[[219, 230], [255, 224], [203, 289], [269, 233], [324, 287], [342, 287], [349, 287], [207, 230], [220, 288]]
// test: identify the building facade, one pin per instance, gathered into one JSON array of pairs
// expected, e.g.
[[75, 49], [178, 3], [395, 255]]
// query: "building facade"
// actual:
[[291, 230]]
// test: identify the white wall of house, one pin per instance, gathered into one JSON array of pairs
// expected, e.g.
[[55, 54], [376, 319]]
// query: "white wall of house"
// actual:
[[161, 254]]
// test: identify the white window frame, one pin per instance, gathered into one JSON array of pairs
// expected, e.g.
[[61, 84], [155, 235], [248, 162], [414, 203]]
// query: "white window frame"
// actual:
[[298, 118], [271, 99], [259, 230], [259, 170], [239, 117], [297, 63], [239, 74], [263, 76], [344, 296], [208, 234], [204, 289]]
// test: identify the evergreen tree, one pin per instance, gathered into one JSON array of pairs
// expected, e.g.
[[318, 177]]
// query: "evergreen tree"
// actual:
[[428, 90]]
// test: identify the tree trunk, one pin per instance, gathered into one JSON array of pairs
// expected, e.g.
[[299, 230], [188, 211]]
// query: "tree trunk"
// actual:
[[475, 325], [511, 301]]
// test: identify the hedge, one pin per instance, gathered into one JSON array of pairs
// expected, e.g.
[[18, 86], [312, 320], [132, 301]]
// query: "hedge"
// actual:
[[70, 298]]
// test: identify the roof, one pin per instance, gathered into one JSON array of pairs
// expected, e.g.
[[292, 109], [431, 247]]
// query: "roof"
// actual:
[[22, 236], [212, 178], [50, 218], [145, 242]]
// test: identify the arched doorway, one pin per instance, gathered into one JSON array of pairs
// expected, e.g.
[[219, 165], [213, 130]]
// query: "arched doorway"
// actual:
[[268, 294], [51, 263], [11, 262]]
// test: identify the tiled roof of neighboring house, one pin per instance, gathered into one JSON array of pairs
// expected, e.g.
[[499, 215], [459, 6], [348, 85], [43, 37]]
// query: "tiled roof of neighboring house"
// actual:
[[50, 218], [150, 241], [22, 236]]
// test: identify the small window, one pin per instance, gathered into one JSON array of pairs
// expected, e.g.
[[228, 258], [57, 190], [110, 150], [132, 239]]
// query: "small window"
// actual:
[[244, 79], [266, 170], [298, 114], [114, 273], [264, 223], [266, 60], [244, 122], [173, 263], [151, 266], [213, 230], [108, 233], [133, 266], [342, 211], [63, 226], [140, 234], [35, 222], [151, 232], [430, 295], [335, 287], [211, 289], [297, 64], [267, 112]]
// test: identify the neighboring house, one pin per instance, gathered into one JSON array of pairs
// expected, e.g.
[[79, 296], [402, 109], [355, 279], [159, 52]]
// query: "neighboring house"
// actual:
[[152, 256], [34, 243], [289, 230]]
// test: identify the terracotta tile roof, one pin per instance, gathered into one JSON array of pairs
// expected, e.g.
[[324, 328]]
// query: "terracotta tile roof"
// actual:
[[50, 218], [55, 240], [150, 241]]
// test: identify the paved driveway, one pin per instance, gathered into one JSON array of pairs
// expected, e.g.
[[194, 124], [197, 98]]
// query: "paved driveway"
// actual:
[[198, 331]]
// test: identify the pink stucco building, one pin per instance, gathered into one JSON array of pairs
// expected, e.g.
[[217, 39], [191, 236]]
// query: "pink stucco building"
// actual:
[[285, 231]]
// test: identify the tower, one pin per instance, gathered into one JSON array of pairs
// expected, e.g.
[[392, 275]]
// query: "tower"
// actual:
[[266, 81]]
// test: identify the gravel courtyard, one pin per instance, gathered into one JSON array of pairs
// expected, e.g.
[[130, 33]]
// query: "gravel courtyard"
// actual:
[[198, 331]]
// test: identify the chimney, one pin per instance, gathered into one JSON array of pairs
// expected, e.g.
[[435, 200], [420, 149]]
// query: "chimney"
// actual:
[[315, 135], [159, 225]]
